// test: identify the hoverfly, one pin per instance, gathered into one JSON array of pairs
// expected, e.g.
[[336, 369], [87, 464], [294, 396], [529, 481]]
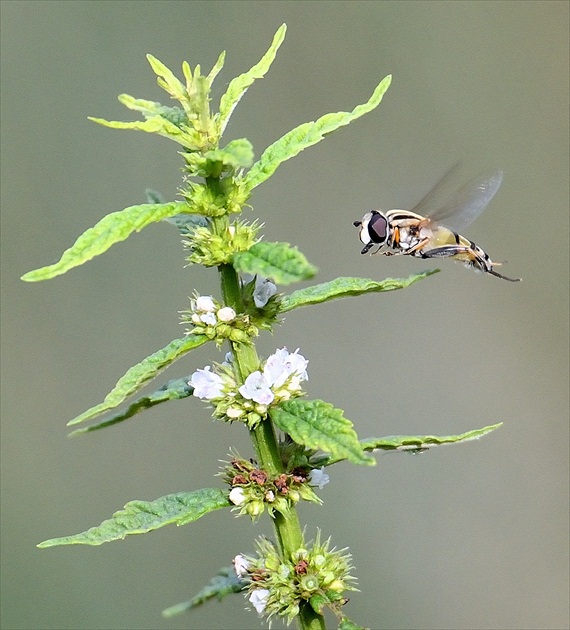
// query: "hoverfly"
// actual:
[[426, 232]]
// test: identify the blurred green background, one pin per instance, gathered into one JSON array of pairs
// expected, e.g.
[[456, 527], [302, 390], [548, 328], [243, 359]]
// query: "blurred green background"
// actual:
[[471, 536]]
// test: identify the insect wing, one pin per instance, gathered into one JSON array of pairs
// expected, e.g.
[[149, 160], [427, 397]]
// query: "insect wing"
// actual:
[[466, 205]]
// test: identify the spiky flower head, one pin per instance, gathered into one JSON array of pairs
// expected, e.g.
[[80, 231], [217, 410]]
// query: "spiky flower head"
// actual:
[[211, 249], [253, 490], [316, 576]]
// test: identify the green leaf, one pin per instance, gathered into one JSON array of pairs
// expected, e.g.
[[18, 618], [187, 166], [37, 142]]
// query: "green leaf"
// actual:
[[223, 584], [186, 223], [237, 154], [346, 624], [316, 424], [306, 135], [174, 389], [151, 109], [140, 517], [422, 442], [278, 261], [347, 287], [111, 229], [216, 68], [153, 124], [238, 86], [140, 374], [167, 80], [411, 443]]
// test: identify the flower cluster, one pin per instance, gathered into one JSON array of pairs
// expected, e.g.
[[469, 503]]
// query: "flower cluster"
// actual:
[[211, 250], [215, 321], [253, 489], [317, 576], [278, 379]]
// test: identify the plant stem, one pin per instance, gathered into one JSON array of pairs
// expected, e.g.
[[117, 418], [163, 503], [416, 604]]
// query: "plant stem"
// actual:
[[287, 526], [310, 620]]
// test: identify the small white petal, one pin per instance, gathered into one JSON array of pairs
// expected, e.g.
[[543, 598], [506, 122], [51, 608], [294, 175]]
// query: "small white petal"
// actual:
[[318, 477], [241, 565], [226, 314], [259, 598], [298, 365], [264, 289], [206, 384], [209, 318], [257, 388], [274, 369], [237, 496], [205, 303], [282, 364]]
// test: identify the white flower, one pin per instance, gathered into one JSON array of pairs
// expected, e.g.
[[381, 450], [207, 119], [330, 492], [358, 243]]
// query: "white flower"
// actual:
[[264, 289], [207, 384], [259, 598], [205, 303], [241, 565], [226, 314], [237, 496], [282, 364], [208, 318], [257, 388], [318, 477], [297, 364]]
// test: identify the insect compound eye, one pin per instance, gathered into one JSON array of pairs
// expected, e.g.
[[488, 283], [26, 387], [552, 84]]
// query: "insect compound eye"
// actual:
[[378, 228]]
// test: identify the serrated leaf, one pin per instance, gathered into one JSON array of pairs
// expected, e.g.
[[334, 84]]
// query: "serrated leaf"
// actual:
[[175, 389], [154, 124], [347, 287], [111, 229], [411, 443], [225, 583], [238, 86], [141, 373], [152, 109], [422, 442], [306, 135], [140, 517], [318, 425], [280, 262]]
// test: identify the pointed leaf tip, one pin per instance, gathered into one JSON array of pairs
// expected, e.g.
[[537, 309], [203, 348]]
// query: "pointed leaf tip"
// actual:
[[308, 134], [111, 229], [140, 517], [238, 86]]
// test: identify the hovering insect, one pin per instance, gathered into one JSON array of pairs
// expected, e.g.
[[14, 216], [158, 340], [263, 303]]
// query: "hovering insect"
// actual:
[[426, 232]]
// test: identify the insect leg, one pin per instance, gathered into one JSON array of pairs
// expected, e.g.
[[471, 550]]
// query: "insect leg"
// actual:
[[445, 251]]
